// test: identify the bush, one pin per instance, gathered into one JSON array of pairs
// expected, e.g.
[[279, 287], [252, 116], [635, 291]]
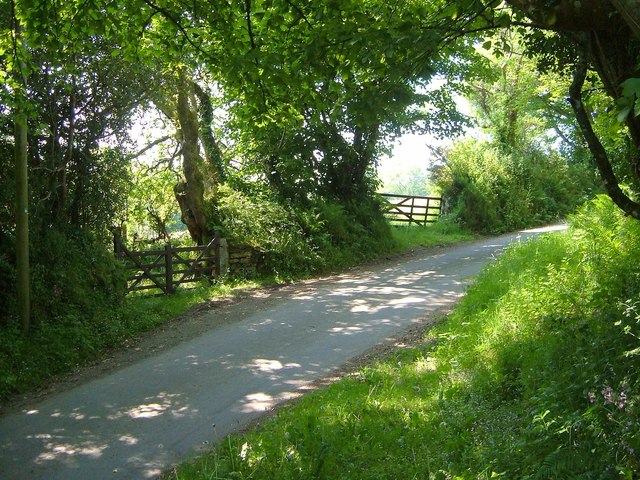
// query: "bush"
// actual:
[[76, 288], [73, 271], [268, 226], [489, 190], [302, 239], [7, 288]]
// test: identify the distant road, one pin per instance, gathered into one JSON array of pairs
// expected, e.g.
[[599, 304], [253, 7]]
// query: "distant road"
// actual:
[[137, 421]]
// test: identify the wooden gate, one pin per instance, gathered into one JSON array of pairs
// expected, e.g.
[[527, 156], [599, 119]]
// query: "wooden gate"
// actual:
[[412, 208], [172, 266]]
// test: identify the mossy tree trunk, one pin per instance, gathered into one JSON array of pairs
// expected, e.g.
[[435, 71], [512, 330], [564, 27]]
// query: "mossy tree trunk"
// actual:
[[190, 191], [202, 174]]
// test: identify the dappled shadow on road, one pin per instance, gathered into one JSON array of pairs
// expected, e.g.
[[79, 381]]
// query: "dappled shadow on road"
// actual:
[[137, 421], [65, 443]]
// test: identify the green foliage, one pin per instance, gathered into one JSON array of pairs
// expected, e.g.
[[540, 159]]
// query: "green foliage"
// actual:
[[101, 192], [412, 182], [351, 233], [73, 272], [269, 226], [553, 336], [490, 190], [299, 240], [80, 96], [7, 285], [521, 174], [534, 375], [313, 103], [629, 102], [77, 288], [152, 209]]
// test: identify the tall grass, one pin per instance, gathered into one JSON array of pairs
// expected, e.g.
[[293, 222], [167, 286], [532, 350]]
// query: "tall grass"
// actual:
[[534, 375]]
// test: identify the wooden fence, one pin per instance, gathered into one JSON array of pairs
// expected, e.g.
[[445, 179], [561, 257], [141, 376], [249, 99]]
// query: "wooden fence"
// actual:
[[412, 208], [172, 266]]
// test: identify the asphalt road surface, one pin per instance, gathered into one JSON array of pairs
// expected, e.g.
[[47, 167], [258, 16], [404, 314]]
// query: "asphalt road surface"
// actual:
[[136, 422]]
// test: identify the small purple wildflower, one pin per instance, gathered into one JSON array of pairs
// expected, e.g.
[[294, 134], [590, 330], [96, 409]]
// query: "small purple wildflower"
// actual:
[[626, 446], [607, 393], [621, 401]]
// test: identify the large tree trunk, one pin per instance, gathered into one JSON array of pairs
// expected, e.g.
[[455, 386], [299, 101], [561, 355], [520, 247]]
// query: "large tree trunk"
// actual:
[[202, 176], [212, 151], [190, 192]]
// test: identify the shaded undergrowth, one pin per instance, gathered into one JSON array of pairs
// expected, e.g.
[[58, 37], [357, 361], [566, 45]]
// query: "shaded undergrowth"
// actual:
[[80, 336]]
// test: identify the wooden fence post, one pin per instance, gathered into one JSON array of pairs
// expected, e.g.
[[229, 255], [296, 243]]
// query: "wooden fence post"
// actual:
[[413, 202], [216, 249], [168, 268], [426, 211]]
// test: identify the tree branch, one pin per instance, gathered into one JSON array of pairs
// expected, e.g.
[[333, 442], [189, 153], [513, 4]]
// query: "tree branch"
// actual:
[[150, 146], [630, 14], [300, 12], [176, 21], [247, 7], [566, 139], [595, 146]]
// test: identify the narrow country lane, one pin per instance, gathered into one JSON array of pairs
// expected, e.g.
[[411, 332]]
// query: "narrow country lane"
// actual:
[[139, 420]]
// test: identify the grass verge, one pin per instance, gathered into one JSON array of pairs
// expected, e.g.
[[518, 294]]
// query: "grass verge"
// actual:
[[534, 375], [80, 337], [432, 235]]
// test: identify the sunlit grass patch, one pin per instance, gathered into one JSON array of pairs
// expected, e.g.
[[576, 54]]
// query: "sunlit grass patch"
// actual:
[[431, 235]]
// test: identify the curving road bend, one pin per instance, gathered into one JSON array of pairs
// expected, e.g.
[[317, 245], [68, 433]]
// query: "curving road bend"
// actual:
[[138, 421]]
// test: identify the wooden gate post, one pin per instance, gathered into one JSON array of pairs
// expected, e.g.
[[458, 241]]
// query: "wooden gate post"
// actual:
[[216, 247], [168, 268], [411, 216], [426, 211], [117, 240]]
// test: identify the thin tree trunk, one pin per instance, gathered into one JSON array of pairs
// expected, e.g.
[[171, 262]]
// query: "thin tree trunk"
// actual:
[[22, 220], [22, 192]]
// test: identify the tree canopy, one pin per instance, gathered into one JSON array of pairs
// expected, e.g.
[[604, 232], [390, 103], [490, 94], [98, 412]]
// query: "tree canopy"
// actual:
[[286, 101]]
